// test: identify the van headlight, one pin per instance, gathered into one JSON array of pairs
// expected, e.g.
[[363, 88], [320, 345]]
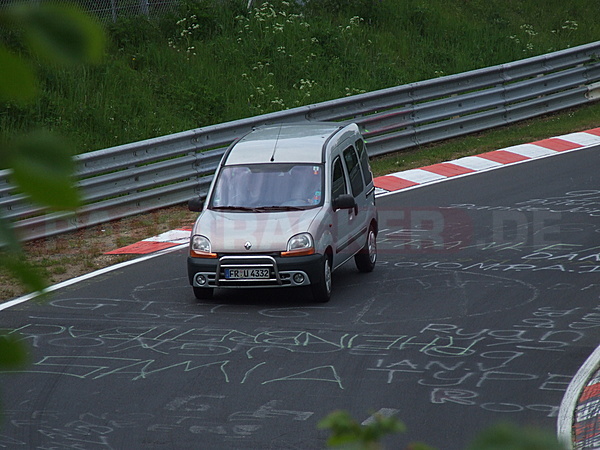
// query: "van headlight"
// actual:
[[200, 247], [300, 244]]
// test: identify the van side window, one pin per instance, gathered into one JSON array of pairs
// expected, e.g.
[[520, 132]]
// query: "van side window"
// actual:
[[338, 185], [353, 166], [364, 161]]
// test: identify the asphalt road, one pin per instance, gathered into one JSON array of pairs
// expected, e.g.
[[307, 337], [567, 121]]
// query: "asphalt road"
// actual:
[[484, 303]]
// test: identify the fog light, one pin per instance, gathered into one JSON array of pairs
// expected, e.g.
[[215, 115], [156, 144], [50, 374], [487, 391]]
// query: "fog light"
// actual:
[[298, 278], [200, 279]]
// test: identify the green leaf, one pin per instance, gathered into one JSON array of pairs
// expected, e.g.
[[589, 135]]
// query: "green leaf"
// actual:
[[61, 33], [419, 446], [346, 432], [43, 166], [511, 437], [17, 79], [13, 354], [8, 239]]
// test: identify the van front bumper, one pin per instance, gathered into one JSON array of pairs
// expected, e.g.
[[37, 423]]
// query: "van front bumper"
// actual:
[[282, 271]]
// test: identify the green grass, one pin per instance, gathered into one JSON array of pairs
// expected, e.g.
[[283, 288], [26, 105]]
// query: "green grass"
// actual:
[[224, 62]]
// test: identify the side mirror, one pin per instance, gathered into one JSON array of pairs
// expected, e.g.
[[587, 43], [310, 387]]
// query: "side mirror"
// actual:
[[344, 201], [196, 204]]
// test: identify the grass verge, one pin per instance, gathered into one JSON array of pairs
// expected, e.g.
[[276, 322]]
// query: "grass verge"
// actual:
[[72, 254]]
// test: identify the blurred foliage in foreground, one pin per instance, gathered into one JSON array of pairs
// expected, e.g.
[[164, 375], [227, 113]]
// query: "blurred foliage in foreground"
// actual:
[[348, 434], [41, 162]]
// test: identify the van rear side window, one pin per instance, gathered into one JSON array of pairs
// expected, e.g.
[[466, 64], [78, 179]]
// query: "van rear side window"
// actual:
[[339, 181], [364, 161], [353, 166]]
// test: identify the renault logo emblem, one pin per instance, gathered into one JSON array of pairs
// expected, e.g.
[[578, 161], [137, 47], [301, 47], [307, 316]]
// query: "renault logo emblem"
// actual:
[[247, 245]]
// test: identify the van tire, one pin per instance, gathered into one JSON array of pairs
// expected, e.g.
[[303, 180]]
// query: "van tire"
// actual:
[[203, 293], [321, 291], [366, 258]]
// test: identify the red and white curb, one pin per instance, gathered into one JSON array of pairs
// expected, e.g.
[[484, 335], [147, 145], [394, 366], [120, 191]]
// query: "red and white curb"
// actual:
[[487, 161], [168, 239], [409, 179]]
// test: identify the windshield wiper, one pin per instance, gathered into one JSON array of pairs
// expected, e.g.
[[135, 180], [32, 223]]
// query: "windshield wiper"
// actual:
[[233, 208], [279, 208]]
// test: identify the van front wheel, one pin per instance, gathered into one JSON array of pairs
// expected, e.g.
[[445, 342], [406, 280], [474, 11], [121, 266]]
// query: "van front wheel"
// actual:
[[322, 290]]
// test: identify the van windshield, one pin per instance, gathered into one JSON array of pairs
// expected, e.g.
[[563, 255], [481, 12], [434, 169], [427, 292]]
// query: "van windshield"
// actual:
[[268, 187]]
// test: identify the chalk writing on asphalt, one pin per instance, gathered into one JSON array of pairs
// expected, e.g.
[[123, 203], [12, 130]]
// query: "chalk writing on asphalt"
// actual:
[[193, 414], [574, 202], [441, 353]]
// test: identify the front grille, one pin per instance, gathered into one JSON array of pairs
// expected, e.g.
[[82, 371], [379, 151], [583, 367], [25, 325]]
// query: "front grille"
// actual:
[[249, 262]]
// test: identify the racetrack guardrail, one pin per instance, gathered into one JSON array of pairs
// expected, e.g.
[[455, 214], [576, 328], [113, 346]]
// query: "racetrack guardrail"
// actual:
[[138, 177]]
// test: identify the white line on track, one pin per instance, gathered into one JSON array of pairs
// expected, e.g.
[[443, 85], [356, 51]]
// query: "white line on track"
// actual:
[[383, 412], [66, 283]]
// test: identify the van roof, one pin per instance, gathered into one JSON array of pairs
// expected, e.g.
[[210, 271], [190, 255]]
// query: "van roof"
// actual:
[[286, 143]]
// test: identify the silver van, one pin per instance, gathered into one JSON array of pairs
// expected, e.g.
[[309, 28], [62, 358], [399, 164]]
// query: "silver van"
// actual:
[[287, 206]]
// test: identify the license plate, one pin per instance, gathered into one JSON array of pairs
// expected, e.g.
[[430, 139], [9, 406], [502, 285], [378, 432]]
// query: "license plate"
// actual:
[[246, 274]]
